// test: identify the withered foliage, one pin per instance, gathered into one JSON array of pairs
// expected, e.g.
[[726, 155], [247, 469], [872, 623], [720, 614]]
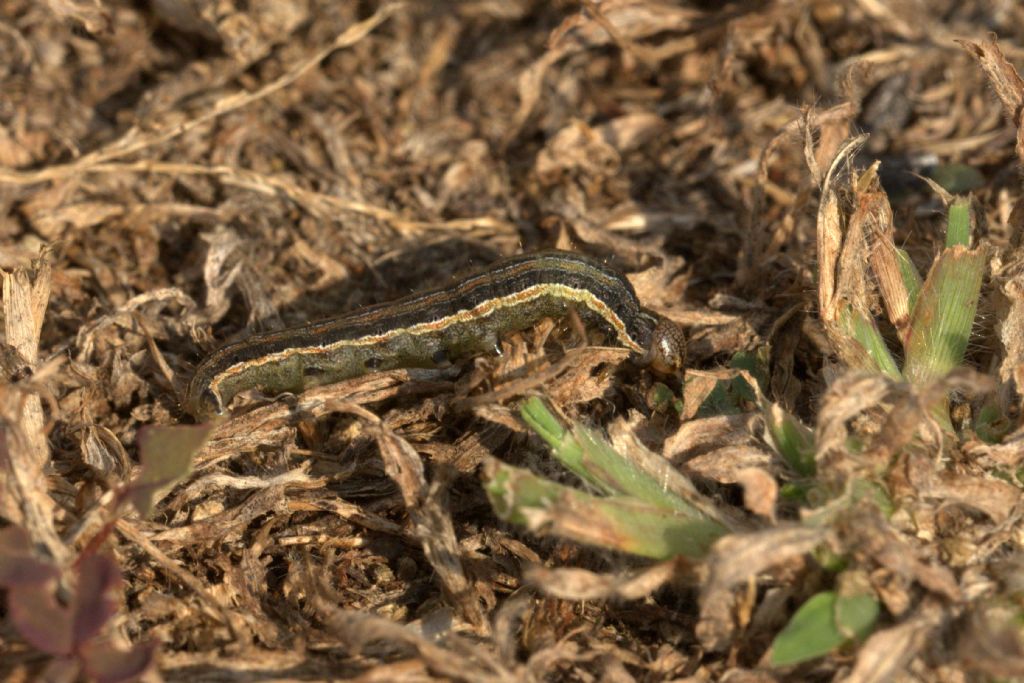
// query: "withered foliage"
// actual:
[[178, 174]]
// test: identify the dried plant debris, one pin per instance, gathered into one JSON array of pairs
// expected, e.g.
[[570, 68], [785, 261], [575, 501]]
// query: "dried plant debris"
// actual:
[[825, 195]]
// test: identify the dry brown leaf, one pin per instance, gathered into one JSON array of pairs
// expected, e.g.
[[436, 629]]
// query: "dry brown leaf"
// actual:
[[760, 491], [698, 387], [996, 498], [136, 140], [1011, 331], [850, 395], [24, 450], [726, 465], [578, 148], [627, 132], [991, 641], [629, 20], [1005, 80], [868, 535], [711, 433], [1009, 453], [580, 584], [103, 452], [229, 524], [625, 441], [737, 558], [365, 631], [272, 164], [54, 221], [887, 652]]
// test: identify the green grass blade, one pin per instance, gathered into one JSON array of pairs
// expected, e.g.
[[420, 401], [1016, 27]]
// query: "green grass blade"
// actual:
[[564, 445], [942, 320], [958, 223], [911, 278], [793, 441], [616, 523], [588, 455], [856, 615], [865, 332], [608, 466], [810, 633]]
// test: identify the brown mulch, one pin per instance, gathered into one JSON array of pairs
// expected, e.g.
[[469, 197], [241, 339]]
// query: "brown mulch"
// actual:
[[178, 174]]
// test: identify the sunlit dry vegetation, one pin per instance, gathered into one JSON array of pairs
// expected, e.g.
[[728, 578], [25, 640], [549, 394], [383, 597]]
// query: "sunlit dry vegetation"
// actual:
[[826, 196]]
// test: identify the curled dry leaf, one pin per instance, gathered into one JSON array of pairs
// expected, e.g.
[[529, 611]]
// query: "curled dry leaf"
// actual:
[[996, 498], [662, 285], [628, 20], [576, 149], [103, 452], [991, 641], [1009, 453], [580, 584], [711, 433], [1005, 80], [867, 534], [760, 491], [1011, 328], [730, 465], [366, 632], [887, 652], [850, 395], [741, 557]]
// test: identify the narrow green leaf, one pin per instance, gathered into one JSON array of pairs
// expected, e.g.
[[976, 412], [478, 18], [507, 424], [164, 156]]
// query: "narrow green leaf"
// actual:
[[793, 441], [864, 489], [756, 364], [911, 278], [536, 414], [618, 522], [810, 633], [564, 445], [608, 466], [958, 223], [941, 325], [864, 330], [588, 454]]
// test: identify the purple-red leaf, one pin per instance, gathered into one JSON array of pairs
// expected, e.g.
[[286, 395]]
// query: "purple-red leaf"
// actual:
[[105, 664], [39, 618], [18, 566], [60, 670], [99, 584]]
